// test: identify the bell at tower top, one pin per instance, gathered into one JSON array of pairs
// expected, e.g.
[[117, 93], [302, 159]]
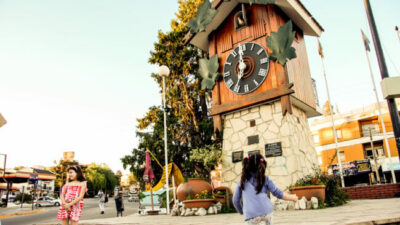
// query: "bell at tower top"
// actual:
[[294, 9]]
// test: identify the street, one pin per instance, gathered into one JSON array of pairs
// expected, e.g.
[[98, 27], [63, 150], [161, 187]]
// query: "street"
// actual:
[[90, 211]]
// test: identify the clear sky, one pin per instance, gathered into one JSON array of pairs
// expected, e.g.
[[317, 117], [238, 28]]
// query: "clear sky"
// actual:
[[74, 74]]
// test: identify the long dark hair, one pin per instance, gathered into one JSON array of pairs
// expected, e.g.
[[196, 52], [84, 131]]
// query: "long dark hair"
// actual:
[[254, 164], [79, 173]]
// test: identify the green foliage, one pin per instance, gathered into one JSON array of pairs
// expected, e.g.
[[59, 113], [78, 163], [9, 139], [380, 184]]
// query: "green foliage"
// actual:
[[27, 197], [334, 195], [189, 125], [209, 72], [308, 180], [226, 209], [163, 198], [141, 195], [203, 195], [204, 16], [206, 157], [251, 2], [100, 177], [321, 205], [61, 172], [219, 192], [189, 197], [280, 43]]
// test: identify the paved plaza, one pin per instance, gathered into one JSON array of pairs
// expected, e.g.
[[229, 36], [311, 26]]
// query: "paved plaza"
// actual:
[[356, 212]]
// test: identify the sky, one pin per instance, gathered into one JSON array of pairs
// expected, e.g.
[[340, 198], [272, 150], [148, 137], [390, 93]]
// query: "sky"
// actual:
[[74, 75]]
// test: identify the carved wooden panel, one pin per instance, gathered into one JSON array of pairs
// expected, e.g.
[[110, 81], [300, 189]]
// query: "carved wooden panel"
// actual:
[[241, 35], [259, 29], [225, 42], [263, 19]]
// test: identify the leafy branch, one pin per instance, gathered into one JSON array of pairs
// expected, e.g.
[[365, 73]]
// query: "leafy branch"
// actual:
[[281, 44], [208, 70], [204, 16]]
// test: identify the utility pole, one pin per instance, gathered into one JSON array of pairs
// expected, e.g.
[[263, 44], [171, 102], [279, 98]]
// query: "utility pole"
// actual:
[[367, 49], [331, 114], [384, 73], [374, 155]]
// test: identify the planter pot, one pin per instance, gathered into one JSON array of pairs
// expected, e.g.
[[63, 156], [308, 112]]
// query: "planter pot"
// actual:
[[192, 187], [221, 198], [309, 192], [198, 203]]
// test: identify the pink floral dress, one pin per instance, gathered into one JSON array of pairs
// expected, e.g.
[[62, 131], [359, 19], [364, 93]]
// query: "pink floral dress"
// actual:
[[71, 192]]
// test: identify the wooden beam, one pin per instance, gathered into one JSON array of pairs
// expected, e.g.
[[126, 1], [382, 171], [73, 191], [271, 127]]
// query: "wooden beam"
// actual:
[[253, 100]]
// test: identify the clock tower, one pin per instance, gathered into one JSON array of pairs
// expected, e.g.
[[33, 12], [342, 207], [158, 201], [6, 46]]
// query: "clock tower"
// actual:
[[264, 95]]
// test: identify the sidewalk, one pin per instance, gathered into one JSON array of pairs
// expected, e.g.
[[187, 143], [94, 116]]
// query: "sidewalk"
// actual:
[[356, 212], [16, 210]]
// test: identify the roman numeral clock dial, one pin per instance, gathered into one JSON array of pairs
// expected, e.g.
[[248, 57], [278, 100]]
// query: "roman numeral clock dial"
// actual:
[[246, 68]]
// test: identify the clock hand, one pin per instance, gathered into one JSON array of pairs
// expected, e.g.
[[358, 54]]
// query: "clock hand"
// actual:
[[242, 65]]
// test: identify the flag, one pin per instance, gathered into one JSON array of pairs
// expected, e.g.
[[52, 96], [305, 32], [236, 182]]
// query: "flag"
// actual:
[[320, 52], [148, 173], [366, 41]]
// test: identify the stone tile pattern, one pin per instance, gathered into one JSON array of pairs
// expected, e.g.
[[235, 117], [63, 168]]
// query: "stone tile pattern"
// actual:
[[298, 151]]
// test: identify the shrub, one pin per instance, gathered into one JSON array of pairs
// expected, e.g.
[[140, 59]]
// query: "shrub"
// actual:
[[27, 197], [334, 195]]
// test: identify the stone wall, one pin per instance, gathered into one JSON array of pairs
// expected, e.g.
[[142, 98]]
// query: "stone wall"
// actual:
[[298, 152]]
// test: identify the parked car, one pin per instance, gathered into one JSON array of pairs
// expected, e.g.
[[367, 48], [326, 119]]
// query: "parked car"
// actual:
[[11, 197], [47, 201]]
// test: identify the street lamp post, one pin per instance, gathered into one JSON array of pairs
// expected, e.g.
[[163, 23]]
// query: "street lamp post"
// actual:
[[164, 71]]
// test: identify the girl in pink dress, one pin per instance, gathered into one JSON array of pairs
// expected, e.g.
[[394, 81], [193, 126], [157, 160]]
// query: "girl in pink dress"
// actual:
[[72, 197]]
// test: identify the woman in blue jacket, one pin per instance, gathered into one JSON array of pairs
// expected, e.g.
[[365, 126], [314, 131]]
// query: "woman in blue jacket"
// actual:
[[253, 186]]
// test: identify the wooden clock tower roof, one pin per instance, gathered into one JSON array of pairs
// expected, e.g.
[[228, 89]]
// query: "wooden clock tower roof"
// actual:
[[294, 9]]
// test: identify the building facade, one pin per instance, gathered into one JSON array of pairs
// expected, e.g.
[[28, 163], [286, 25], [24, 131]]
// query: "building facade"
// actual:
[[354, 132]]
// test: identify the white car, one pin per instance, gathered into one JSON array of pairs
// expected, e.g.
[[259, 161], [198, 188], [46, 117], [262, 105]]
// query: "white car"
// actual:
[[11, 197], [47, 201]]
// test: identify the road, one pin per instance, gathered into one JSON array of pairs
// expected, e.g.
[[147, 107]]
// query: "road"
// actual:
[[90, 211]]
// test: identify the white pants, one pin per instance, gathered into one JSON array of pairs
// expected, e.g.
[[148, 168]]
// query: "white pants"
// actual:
[[101, 206]]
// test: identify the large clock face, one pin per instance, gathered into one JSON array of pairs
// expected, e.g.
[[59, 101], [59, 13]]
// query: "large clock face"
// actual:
[[246, 68]]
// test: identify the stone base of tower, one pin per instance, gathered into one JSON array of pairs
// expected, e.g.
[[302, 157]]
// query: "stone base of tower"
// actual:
[[298, 152]]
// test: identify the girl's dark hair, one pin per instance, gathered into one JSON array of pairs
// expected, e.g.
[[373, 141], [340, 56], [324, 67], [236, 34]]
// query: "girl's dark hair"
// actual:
[[254, 164], [79, 173]]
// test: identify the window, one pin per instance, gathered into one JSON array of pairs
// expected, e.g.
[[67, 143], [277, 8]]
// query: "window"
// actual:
[[342, 157], [365, 129], [379, 153]]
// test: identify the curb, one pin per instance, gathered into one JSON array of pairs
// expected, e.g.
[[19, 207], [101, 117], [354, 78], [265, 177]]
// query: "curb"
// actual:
[[21, 214], [376, 222]]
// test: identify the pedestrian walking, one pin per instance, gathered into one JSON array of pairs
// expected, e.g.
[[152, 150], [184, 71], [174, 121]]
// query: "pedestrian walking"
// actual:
[[72, 194], [252, 189], [119, 203], [102, 200]]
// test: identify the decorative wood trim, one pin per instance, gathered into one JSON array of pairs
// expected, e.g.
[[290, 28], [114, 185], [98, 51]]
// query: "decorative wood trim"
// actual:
[[252, 100], [225, 43], [217, 123], [259, 29]]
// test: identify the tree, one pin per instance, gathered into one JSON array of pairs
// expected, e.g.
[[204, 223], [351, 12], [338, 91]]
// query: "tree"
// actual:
[[189, 125], [61, 172], [100, 177]]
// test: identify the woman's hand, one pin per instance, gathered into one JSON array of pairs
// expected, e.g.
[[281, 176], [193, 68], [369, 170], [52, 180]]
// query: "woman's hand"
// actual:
[[67, 207], [290, 197]]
